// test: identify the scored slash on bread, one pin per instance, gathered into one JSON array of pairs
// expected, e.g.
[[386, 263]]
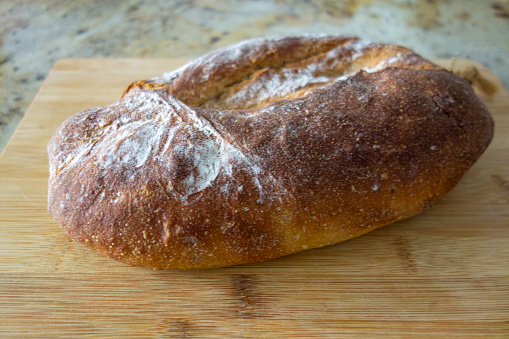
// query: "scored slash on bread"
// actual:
[[262, 149]]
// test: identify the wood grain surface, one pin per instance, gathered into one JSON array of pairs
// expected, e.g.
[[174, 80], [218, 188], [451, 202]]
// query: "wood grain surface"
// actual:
[[443, 273]]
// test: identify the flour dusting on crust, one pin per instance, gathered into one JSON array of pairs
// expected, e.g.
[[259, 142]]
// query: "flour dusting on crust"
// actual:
[[146, 122]]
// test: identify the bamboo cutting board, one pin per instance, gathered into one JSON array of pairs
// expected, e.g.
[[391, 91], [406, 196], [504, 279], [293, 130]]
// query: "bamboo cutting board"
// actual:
[[443, 273]]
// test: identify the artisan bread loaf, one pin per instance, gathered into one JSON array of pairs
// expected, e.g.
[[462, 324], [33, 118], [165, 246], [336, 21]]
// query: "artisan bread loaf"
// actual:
[[262, 149]]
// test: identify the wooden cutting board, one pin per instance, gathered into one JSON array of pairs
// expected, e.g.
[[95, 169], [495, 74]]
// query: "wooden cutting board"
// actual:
[[443, 273]]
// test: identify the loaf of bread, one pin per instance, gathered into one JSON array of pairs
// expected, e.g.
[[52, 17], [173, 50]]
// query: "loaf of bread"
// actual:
[[264, 148]]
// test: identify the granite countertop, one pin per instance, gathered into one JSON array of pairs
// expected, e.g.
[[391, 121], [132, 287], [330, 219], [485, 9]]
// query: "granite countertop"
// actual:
[[35, 34]]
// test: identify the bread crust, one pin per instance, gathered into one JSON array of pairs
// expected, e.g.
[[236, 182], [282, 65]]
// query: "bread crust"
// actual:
[[262, 149]]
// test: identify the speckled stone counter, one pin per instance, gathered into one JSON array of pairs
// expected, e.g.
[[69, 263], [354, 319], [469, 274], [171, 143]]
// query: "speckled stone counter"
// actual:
[[35, 34]]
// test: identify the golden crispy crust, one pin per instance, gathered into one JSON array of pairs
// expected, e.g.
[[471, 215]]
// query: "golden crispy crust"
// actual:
[[262, 149]]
